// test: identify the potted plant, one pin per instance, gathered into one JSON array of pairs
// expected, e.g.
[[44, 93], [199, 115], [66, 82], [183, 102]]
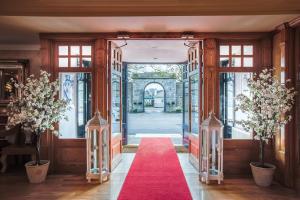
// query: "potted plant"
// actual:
[[37, 109], [268, 108]]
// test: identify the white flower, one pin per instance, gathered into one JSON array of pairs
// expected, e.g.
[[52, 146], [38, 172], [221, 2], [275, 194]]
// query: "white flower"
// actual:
[[37, 107], [267, 107]]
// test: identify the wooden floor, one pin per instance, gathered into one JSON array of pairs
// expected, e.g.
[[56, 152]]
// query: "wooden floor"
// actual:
[[15, 186]]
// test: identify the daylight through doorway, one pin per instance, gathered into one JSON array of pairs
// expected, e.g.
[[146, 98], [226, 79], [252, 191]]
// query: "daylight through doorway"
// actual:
[[154, 101]]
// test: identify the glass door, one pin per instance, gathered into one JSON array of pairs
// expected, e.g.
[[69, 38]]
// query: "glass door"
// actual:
[[195, 91], [115, 103]]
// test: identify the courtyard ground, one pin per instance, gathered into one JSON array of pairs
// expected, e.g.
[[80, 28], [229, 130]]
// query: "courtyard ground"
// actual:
[[154, 123]]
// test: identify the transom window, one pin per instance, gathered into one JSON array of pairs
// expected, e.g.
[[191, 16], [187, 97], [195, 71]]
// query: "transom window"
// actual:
[[236, 55], [79, 56]]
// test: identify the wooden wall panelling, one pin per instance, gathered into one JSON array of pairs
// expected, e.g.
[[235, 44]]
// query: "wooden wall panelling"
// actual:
[[290, 136], [210, 64], [101, 76], [156, 35], [279, 153], [266, 52], [297, 119], [285, 144], [47, 143]]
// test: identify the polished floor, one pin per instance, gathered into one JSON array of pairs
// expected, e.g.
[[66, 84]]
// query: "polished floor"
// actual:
[[75, 187]]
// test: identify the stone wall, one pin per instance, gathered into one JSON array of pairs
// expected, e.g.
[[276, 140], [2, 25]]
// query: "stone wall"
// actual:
[[136, 93]]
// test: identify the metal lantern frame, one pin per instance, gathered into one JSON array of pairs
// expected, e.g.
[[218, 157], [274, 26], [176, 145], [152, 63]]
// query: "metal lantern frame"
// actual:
[[211, 154], [97, 149]]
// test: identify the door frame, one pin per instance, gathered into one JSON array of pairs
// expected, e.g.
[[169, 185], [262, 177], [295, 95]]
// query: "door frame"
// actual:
[[47, 41]]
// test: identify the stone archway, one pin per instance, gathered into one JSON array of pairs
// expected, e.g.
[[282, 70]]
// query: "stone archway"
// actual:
[[136, 93], [155, 96]]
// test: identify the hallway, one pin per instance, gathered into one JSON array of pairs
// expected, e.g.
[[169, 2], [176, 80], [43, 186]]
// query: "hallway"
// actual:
[[66, 187]]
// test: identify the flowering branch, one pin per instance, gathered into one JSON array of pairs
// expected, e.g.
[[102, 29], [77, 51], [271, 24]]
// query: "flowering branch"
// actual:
[[268, 107]]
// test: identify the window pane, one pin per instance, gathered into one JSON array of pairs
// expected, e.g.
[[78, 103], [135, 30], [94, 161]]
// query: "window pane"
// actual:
[[236, 50], [194, 84], [63, 50], [75, 88], [282, 77], [224, 62], [86, 50], [248, 50], [231, 85], [248, 62], [63, 62], [116, 104], [224, 50], [86, 61], [75, 62], [236, 62], [75, 50]]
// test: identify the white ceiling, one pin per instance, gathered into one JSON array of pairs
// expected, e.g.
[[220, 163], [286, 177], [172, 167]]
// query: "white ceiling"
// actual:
[[24, 30], [154, 51]]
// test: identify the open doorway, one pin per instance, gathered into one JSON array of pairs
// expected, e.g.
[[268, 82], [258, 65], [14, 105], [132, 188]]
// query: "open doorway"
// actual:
[[156, 89], [154, 101], [154, 98]]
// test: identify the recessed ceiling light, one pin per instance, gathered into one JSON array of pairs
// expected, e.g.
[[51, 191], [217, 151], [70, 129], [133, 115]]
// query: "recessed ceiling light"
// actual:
[[155, 58], [154, 47]]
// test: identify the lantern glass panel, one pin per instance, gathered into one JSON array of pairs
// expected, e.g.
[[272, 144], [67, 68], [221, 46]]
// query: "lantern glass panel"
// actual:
[[94, 151], [204, 150], [214, 152], [104, 150]]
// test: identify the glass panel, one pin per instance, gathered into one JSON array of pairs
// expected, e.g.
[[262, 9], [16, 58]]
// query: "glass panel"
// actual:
[[86, 50], [248, 50], [63, 50], [224, 62], [63, 62], [236, 62], [282, 77], [95, 152], [105, 159], [224, 50], [86, 61], [231, 85], [194, 84], [75, 62], [75, 88], [248, 62], [186, 106], [236, 50], [75, 50], [116, 104]]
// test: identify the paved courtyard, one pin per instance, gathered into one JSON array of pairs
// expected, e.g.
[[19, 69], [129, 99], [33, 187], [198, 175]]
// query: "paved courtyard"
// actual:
[[154, 123]]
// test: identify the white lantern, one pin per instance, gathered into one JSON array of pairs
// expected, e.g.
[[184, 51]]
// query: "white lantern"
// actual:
[[211, 155], [97, 149]]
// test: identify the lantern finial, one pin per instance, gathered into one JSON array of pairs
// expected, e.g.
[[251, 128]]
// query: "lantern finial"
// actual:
[[97, 120]]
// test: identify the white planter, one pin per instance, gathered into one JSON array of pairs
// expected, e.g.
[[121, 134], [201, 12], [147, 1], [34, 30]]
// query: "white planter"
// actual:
[[263, 176], [37, 173]]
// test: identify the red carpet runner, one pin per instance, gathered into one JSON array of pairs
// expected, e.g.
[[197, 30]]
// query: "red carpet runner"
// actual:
[[155, 173]]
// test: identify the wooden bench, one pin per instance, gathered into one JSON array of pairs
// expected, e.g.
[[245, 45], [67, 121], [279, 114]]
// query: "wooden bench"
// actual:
[[15, 150], [15, 146]]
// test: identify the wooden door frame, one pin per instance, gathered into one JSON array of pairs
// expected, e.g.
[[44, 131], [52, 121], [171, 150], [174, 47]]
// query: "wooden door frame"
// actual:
[[100, 72]]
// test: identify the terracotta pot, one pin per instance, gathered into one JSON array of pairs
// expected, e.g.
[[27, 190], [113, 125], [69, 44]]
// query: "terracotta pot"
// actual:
[[263, 176], [37, 173]]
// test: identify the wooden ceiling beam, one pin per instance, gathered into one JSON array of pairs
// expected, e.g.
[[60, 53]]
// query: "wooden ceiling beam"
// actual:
[[147, 7]]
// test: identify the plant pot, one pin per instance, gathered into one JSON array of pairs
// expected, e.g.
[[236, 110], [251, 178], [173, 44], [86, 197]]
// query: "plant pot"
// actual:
[[263, 176], [37, 173]]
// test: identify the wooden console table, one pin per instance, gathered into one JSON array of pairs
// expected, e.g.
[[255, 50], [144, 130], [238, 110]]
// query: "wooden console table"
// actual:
[[15, 150]]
